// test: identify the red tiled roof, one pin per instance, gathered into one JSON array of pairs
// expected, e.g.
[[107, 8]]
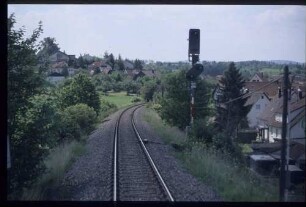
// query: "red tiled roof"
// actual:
[[270, 90]]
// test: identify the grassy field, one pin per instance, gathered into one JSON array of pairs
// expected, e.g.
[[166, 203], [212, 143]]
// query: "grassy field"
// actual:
[[231, 181], [271, 71], [120, 99]]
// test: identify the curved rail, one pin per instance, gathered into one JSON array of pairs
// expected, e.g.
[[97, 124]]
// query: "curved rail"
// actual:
[[149, 158], [116, 152], [161, 180]]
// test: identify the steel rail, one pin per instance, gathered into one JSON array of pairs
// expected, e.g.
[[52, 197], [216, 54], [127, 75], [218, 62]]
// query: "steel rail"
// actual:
[[115, 153], [161, 180]]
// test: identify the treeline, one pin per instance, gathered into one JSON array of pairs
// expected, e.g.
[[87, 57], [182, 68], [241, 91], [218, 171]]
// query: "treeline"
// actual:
[[40, 118]]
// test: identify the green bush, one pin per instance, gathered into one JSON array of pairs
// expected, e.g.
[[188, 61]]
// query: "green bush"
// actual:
[[202, 131], [106, 105], [35, 133], [79, 90], [77, 120], [157, 107], [136, 99]]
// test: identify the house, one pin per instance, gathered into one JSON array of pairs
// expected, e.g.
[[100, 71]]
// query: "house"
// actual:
[[58, 67], [128, 65], [258, 102], [151, 73], [72, 71], [58, 57], [134, 74], [269, 88], [271, 118], [258, 77], [100, 65], [217, 94], [55, 78]]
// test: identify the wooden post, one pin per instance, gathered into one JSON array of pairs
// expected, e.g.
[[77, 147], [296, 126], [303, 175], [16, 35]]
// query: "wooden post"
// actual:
[[282, 178]]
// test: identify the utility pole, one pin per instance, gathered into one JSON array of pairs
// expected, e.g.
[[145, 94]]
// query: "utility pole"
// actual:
[[282, 179]]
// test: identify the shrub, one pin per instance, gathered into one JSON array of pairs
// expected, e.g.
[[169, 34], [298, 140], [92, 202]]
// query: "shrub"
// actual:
[[106, 105], [157, 107], [79, 90], [34, 134], [77, 120], [201, 130], [136, 99]]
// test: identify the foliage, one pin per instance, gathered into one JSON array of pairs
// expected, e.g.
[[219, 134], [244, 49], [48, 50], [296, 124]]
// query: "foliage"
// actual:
[[202, 130], [107, 105], [231, 180], [79, 90], [48, 48], [120, 63], [80, 62], [176, 101], [35, 133], [57, 162], [138, 64], [24, 78], [136, 99], [76, 121], [132, 86], [147, 91], [65, 72], [229, 117]]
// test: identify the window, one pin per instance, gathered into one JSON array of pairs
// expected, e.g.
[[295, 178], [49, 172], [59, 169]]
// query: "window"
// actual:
[[257, 106]]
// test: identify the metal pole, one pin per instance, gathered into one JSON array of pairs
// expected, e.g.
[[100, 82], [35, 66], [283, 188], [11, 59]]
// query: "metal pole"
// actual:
[[282, 179], [195, 58]]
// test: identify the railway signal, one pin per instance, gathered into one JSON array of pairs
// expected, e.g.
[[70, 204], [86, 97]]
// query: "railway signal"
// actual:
[[197, 68]]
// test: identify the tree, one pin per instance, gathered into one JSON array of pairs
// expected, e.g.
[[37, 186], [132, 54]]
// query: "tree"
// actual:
[[24, 78], [77, 120], [79, 90], [48, 48], [35, 133], [111, 60], [148, 90], [120, 63], [80, 62], [230, 114], [176, 101], [65, 72], [138, 64]]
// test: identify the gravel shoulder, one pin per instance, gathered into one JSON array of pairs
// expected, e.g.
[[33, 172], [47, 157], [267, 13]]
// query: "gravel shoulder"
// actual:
[[183, 186], [90, 176]]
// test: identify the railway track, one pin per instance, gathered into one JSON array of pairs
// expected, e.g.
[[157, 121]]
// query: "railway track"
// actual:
[[135, 175]]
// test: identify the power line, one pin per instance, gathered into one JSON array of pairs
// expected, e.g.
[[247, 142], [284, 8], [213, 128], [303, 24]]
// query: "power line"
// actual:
[[249, 94]]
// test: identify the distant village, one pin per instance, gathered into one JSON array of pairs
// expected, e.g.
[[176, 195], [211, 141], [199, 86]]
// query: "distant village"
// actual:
[[60, 61], [264, 96]]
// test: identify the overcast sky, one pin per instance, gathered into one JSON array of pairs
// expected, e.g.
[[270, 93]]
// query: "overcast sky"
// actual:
[[160, 32]]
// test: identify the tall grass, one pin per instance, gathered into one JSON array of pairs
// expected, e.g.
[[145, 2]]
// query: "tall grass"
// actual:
[[58, 161], [233, 181]]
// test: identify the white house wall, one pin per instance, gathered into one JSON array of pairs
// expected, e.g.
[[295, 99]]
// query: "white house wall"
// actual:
[[297, 131], [254, 112]]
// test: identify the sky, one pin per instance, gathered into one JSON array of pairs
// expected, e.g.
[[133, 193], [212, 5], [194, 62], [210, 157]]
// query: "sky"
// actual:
[[160, 32]]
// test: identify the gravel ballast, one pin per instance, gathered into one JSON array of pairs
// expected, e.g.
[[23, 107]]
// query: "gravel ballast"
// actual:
[[183, 186], [90, 176]]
